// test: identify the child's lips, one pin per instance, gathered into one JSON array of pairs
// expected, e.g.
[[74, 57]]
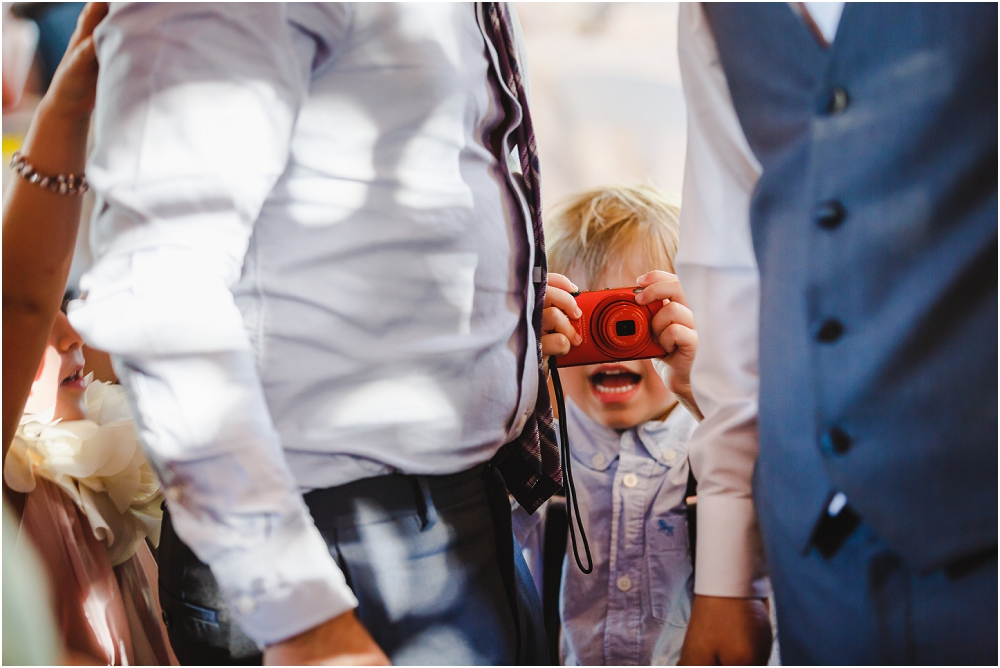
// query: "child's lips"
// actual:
[[614, 384], [75, 380]]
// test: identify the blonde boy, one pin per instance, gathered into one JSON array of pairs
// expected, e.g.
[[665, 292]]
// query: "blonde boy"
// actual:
[[628, 434]]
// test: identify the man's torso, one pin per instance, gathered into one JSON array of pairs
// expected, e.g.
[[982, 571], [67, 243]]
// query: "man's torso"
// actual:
[[386, 280]]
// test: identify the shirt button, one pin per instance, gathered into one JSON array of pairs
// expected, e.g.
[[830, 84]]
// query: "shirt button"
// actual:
[[828, 215], [624, 583], [246, 604], [174, 495], [630, 480], [830, 331], [838, 101], [835, 439], [598, 460], [669, 455]]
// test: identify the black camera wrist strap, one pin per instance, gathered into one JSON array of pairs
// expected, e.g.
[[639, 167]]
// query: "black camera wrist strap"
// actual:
[[572, 505]]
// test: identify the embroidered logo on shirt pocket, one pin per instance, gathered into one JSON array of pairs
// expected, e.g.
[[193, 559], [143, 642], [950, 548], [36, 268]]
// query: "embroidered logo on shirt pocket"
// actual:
[[670, 574]]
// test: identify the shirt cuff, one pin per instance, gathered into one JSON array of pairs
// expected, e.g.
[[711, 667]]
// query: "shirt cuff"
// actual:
[[730, 556], [284, 586]]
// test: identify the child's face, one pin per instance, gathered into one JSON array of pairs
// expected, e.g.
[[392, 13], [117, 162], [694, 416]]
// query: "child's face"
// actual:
[[619, 395], [60, 378]]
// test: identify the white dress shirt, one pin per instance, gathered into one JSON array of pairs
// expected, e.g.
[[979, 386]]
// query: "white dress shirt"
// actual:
[[311, 268], [717, 266]]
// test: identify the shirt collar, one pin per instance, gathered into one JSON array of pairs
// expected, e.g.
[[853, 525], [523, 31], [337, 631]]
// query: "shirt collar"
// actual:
[[597, 446], [666, 440], [590, 443]]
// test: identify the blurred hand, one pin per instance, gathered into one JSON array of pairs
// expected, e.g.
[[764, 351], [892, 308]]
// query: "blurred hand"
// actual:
[[727, 632], [673, 327], [341, 641], [74, 84], [558, 334]]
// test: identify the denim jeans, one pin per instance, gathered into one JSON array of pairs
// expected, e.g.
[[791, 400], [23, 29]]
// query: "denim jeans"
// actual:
[[432, 560]]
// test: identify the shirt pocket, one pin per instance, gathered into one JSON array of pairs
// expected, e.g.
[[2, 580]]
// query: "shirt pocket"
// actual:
[[671, 581]]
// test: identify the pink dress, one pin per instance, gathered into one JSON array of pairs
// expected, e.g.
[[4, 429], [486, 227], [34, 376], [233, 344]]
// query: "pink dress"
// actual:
[[91, 502]]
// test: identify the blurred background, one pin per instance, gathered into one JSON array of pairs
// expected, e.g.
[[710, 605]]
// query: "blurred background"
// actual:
[[605, 94], [605, 86]]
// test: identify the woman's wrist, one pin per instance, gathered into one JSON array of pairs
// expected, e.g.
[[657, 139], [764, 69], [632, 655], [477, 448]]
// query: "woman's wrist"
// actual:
[[57, 140]]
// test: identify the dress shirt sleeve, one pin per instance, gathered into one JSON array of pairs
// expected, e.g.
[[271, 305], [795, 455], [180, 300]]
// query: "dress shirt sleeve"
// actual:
[[196, 106], [717, 267]]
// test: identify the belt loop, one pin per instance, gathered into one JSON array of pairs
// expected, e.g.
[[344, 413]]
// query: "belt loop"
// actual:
[[425, 503]]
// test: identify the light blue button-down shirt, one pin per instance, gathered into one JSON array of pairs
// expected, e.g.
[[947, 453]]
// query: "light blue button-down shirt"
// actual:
[[634, 607]]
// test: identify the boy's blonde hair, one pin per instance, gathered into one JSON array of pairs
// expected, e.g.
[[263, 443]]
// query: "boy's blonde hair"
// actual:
[[600, 230]]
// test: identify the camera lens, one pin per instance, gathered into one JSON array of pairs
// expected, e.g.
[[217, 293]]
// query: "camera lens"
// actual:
[[620, 327], [625, 327]]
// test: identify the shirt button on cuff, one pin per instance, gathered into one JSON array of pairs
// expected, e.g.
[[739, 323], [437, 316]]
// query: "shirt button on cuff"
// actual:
[[624, 583], [630, 480]]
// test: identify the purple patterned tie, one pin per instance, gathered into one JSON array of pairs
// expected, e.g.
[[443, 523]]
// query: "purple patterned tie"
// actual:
[[530, 463]]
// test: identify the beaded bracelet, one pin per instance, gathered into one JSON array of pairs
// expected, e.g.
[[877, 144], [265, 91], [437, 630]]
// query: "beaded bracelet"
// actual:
[[64, 184]]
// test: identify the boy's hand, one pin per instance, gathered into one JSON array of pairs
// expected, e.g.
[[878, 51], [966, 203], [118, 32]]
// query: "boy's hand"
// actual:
[[558, 334], [673, 327]]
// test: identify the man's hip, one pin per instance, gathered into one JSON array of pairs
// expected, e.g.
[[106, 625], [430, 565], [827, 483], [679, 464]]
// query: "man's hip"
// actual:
[[430, 558]]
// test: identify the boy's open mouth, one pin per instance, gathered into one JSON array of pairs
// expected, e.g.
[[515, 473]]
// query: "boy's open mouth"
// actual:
[[614, 384]]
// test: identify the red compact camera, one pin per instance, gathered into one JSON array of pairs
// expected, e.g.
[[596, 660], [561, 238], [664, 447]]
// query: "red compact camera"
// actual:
[[614, 328]]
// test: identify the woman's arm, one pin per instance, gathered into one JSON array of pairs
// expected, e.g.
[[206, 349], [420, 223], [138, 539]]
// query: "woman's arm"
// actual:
[[39, 226]]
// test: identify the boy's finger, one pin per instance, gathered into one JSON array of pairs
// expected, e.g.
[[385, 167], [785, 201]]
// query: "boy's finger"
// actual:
[[679, 341], [555, 344], [561, 282], [671, 313], [667, 288], [651, 277], [562, 300], [554, 320]]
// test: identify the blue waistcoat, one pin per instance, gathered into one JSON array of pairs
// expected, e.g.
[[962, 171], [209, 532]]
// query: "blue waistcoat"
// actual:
[[875, 230]]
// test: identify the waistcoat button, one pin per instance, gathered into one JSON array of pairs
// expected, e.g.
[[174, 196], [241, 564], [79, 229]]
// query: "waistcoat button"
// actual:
[[835, 439], [838, 101], [828, 215], [830, 331]]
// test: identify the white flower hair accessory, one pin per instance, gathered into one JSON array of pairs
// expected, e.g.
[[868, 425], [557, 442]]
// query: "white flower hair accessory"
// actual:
[[98, 462]]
